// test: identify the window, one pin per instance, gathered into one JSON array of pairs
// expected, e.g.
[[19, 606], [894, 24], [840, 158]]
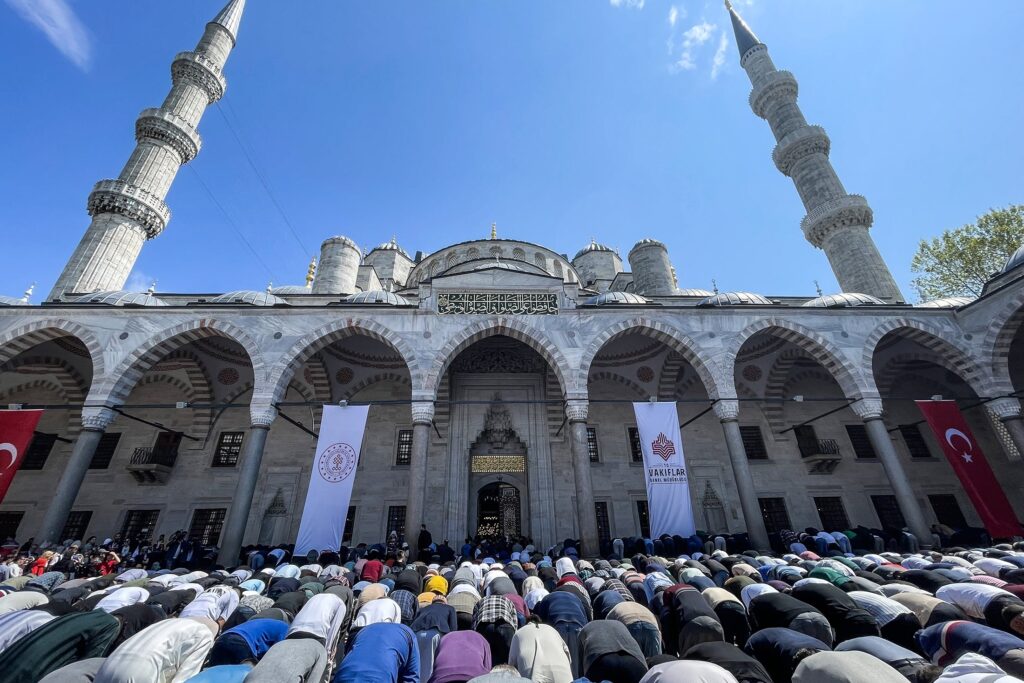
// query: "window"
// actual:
[[753, 442], [889, 514], [38, 451], [396, 519], [595, 455], [916, 445], [207, 524], [776, 517], [9, 523], [403, 453], [604, 532], [138, 524], [643, 513], [862, 447], [75, 527], [229, 446], [832, 513], [947, 510], [636, 450], [105, 450], [350, 522]]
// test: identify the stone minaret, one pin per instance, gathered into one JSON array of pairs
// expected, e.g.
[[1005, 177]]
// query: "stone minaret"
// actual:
[[836, 222], [130, 210]]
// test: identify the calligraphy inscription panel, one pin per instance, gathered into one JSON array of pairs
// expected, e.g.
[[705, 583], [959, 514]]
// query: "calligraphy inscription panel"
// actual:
[[497, 303]]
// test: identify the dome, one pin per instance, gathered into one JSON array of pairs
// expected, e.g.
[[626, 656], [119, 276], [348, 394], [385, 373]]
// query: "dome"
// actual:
[[694, 292], [593, 246], [250, 297], [291, 289], [503, 265], [608, 298], [1016, 260], [391, 246], [647, 242], [121, 298], [843, 300], [11, 301], [947, 302], [736, 299], [377, 296]]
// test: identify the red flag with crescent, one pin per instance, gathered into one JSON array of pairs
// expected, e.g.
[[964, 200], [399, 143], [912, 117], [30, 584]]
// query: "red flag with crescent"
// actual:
[[16, 430], [964, 454]]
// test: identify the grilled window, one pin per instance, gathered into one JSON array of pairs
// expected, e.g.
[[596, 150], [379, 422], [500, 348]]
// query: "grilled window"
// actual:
[[403, 453], [636, 449], [396, 520], [350, 522], [595, 455], [105, 450], [916, 445], [753, 442], [889, 514], [947, 510], [862, 447], [207, 524], [139, 524], [832, 513], [776, 517], [643, 513], [229, 446], [38, 451], [76, 526], [604, 532], [9, 523]]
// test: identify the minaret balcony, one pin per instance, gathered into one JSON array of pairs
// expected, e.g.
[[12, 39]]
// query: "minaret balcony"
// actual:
[[845, 211], [802, 142], [130, 201], [774, 85], [199, 69], [170, 129]]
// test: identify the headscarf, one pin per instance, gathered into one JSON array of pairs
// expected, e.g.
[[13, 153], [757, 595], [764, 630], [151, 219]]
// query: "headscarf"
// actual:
[[688, 672], [168, 651], [372, 592], [122, 598], [383, 610], [461, 655], [540, 654], [564, 566], [213, 604], [845, 667], [254, 585]]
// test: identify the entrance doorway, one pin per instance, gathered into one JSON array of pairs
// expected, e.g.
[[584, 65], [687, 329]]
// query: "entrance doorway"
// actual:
[[498, 511]]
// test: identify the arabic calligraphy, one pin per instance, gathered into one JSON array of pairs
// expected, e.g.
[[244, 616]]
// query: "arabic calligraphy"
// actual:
[[495, 303]]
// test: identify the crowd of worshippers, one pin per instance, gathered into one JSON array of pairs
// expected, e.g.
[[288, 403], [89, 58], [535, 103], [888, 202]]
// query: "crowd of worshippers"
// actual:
[[707, 616]]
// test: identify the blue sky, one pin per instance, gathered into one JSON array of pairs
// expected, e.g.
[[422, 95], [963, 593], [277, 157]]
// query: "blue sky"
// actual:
[[559, 120]]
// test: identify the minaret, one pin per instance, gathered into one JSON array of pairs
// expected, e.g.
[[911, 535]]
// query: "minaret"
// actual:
[[130, 210], [836, 222]]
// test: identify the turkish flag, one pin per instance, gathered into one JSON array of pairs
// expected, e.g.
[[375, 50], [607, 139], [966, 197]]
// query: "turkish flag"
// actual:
[[16, 430], [969, 463]]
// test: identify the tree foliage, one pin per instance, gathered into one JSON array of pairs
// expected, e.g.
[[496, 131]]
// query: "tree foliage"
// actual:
[[959, 261]]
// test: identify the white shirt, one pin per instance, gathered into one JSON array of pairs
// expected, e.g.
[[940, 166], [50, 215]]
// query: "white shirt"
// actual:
[[972, 598]]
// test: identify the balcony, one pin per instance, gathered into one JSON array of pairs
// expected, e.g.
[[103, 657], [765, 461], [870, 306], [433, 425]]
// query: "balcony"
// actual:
[[152, 465], [821, 456]]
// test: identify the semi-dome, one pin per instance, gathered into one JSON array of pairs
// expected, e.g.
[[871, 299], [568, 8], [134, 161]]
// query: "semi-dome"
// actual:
[[11, 301], [736, 299], [249, 297], [377, 296], [391, 245], [843, 300], [503, 265], [1016, 260], [291, 289], [614, 298], [946, 302], [121, 298], [694, 292], [593, 246]]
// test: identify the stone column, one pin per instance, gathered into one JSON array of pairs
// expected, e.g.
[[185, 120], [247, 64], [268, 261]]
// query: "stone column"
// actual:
[[577, 410], [728, 411], [94, 422], [1007, 409], [422, 418], [261, 417], [870, 410]]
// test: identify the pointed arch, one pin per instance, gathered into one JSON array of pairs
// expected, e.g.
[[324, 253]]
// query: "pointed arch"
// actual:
[[999, 337], [605, 376], [24, 337], [68, 383], [199, 380], [354, 390]]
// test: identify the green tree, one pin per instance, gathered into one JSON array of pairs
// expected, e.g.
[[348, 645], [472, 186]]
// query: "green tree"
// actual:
[[959, 261]]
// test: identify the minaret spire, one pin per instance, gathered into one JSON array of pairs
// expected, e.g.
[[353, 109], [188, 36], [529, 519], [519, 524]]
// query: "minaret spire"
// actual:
[[836, 222], [130, 210]]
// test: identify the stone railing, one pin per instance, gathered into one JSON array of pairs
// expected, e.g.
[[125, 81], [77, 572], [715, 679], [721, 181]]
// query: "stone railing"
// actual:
[[851, 209], [199, 69], [169, 128], [130, 201]]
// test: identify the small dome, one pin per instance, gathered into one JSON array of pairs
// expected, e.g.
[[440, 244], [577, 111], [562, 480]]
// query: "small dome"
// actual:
[[843, 300], [503, 265], [11, 301], [249, 297], [947, 302], [610, 298], [593, 246], [391, 246], [121, 298], [291, 289], [647, 242], [377, 296], [735, 299], [1016, 260], [694, 292]]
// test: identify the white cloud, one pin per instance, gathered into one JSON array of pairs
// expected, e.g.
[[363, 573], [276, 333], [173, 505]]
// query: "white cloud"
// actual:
[[57, 20], [693, 38], [629, 4], [139, 281], [673, 15], [719, 59]]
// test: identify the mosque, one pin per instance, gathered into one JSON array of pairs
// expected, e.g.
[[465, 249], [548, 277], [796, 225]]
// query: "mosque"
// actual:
[[500, 373]]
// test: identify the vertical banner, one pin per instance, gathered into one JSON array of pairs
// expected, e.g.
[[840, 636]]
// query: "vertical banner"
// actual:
[[330, 482], [668, 487], [16, 430], [969, 463]]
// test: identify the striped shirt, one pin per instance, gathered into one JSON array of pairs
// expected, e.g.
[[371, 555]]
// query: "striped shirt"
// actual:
[[880, 607]]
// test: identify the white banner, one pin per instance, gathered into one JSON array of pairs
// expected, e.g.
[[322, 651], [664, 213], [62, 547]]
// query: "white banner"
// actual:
[[330, 482], [668, 488]]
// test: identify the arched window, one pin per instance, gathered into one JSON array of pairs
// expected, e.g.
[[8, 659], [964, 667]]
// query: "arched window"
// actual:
[[518, 254]]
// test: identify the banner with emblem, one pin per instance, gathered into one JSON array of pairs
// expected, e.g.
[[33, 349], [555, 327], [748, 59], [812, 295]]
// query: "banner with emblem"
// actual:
[[330, 483], [668, 486], [17, 427], [964, 454]]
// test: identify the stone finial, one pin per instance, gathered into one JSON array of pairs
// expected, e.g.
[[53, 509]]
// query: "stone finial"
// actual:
[[28, 293], [311, 273], [422, 412], [727, 409], [868, 408], [494, 231], [1005, 408], [577, 410], [97, 418]]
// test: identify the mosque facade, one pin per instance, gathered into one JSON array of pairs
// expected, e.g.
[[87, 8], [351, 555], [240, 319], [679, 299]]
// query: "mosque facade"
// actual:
[[500, 373]]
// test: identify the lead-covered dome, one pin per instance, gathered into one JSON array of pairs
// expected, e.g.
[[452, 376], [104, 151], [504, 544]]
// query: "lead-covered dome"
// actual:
[[121, 298], [249, 297], [735, 299], [593, 246], [291, 289], [946, 302], [843, 300], [502, 265], [377, 296], [694, 291], [391, 245], [11, 301], [1016, 260], [616, 298]]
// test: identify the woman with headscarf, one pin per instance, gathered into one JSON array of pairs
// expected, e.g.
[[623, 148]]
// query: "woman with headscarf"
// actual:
[[247, 642], [382, 611], [381, 653], [565, 614], [845, 667], [461, 655], [609, 652], [57, 643], [495, 619], [540, 654]]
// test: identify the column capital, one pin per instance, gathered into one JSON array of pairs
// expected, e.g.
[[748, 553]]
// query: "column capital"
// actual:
[[422, 412], [577, 409], [97, 419], [868, 408], [727, 409], [262, 415], [1006, 408]]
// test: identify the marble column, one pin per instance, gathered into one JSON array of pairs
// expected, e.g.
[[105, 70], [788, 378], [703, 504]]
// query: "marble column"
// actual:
[[728, 411], [586, 516], [261, 417], [94, 423], [870, 410], [422, 418], [1007, 409]]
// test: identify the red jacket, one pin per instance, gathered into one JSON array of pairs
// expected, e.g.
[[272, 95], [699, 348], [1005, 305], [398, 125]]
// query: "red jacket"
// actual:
[[39, 566]]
